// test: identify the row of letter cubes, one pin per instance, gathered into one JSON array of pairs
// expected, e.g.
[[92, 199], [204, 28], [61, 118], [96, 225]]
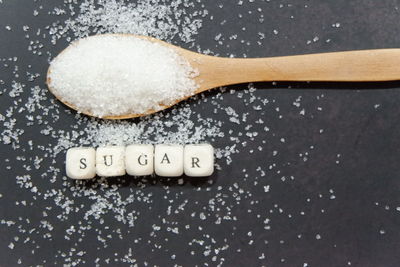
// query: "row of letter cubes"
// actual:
[[140, 160]]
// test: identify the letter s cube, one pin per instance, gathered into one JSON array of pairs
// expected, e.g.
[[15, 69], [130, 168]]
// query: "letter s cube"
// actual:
[[199, 160], [139, 160], [80, 163]]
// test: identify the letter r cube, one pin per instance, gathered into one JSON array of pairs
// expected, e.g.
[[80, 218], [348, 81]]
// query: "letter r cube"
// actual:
[[198, 160]]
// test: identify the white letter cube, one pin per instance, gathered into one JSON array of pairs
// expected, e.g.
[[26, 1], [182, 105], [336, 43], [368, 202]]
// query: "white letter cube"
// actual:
[[168, 160], [110, 161], [139, 160], [199, 160], [80, 163]]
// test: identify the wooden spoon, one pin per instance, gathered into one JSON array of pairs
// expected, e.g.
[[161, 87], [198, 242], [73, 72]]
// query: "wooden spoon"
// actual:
[[351, 66]]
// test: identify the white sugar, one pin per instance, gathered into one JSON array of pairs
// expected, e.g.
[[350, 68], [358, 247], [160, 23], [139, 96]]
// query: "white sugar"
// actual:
[[117, 75], [163, 19]]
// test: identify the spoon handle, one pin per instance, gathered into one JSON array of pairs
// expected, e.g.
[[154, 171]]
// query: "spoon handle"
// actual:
[[351, 66]]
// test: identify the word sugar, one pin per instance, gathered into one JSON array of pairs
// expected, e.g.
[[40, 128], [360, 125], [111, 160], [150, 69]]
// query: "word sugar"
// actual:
[[140, 160]]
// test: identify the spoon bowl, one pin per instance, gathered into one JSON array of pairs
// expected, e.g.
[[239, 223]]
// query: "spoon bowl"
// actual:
[[351, 66]]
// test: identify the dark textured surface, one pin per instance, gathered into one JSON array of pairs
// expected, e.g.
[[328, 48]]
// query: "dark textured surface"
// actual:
[[359, 226]]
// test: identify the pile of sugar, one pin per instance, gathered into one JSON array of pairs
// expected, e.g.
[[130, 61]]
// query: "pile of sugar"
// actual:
[[110, 75]]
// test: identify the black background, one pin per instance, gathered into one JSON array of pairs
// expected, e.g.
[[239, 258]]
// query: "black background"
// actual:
[[351, 204]]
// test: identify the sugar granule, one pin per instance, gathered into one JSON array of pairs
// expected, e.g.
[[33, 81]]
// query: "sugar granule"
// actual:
[[164, 19], [120, 74]]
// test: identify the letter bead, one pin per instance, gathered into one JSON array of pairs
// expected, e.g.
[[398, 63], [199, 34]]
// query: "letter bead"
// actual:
[[80, 163], [139, 160], [168, 160], [199, 160], [110, 161]]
